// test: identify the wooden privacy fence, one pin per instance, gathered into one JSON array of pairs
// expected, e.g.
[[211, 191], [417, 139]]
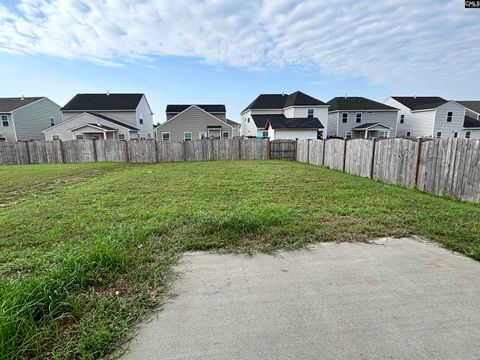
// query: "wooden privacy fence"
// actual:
[[448, 167], [141, 151]]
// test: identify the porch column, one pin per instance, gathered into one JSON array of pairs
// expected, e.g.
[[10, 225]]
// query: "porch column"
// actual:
[[366, 133], [104, 135]]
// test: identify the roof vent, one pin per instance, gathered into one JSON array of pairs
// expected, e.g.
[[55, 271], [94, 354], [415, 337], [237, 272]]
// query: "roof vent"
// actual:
[[414, 96], [345, 95], [23, 97], [108, 93]]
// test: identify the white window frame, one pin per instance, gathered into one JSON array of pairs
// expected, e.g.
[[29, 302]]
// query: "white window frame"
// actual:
[[408, 133], [52, 121], [121, 137], [449, 116], [185, 135], [455, 135], [319, 134], [344, 117], [165, 133], [382, 134], [56, 137], [468, 134], [348, 134], [202, 135], [402, 118], [223, 135], [312, 111], [439, 134], [265, 134], [5, 120], [357, 118], [79, 137]]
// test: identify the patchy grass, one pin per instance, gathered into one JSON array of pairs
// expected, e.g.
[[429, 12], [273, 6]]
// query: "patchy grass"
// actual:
[[81, 263]]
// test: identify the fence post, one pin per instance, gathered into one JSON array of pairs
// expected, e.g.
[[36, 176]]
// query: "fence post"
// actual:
[[323, 152], [240, 149], [185, 150], [372, 158], [157, 157], [269, 149], [308, 151], [29, 158], [344, 154], [62, 155], [95, 156], [417, 162], [127, 158]]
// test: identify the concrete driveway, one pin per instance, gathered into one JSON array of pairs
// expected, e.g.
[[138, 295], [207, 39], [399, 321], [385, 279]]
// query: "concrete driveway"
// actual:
[[397, 299]]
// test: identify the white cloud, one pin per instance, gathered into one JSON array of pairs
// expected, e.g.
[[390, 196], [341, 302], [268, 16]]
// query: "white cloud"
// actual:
[[416, 44]]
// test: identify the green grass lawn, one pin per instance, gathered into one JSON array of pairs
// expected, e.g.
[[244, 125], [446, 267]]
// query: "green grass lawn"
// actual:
[[87, 250]]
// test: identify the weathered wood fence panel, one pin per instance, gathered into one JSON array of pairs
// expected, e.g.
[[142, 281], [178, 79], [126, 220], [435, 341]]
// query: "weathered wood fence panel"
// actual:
[[303, 150], [334, 154], [78, 151], [45, 152], [111, 150], [13, 152], [315, 152], [283, 149], [254, 149], [358, 157], [171, 151]]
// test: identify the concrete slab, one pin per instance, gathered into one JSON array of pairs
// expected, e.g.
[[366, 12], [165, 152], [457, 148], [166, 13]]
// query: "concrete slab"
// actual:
[[397, 299]]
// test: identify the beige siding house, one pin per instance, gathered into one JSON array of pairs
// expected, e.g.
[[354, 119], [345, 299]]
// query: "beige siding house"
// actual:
[[192, 122], [24, 118], [104, 116]]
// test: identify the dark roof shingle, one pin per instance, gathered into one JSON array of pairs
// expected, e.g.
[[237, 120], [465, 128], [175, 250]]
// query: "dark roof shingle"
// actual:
[[210, 108], [472, 105], [420, 102], [368, 125], [281, 122], [99, 102], [10, 104], [112, 120], [281, 101], [356, 103], [470, 122]]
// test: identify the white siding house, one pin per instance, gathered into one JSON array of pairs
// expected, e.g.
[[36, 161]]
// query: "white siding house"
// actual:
[[24, 118], [471, 125], [431, 117], [116, 116], [359, 117], [294, 111]]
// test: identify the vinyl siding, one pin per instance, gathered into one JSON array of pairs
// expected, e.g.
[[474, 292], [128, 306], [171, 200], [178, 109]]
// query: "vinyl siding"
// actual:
[[449, 128], [332, 124], [32, 119], [63, 130], [7, 132], [126, 117], [387, 118], [192, 120], [474, 133], [419, 124], [144, 111], [292, 134]]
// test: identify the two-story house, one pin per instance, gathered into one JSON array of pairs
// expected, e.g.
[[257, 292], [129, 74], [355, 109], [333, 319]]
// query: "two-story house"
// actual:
[[24, 118], [360, 118], [187, 122], [428, 116], [104, 116], [471, 125], [282, 116]]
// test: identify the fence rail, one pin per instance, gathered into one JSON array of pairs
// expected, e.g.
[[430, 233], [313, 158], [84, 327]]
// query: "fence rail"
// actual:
[[448, 167]]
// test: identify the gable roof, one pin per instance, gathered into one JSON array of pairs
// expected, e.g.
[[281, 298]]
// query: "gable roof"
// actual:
[[281, 101], [420, 102], [473, 105], [99, 102], [232, 123], [112, 120], [281, 122], [370, 125], [98, 126], [176, 116], [470, 122], [356, 103], [211, 108], [10, 104]]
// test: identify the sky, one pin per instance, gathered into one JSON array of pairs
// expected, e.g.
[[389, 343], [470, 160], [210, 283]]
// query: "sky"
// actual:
[[230, 51]]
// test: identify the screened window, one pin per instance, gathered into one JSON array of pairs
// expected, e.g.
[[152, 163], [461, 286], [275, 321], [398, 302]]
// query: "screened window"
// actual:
[[140, 121], [439, 134], [449, 116], [165, 136], [187, 135], [225, 135], [358, 118], [455, 134], [265, 134], [382, 134], [202, 135], [402, 119], [408, 133], [79, 137], [467, 135], [52, 121], [348, 135], [5, 120], [344, 117], [310, 113], [319, 134], [56, 137]]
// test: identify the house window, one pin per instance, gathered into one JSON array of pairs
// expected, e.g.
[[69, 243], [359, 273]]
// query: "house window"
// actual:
[[52, 121], [382, 134], [56, 137], [187, 136], [348, 135], [455, 134], [165, 136], [439, 134], [265, 134], [344, 117], [140, 121], [5, 120], [319, 134], [2, 138], [467, 134], [202, 136], [449, 116], [402, 119], [358, 119], [408, 133], [310, 113], [248, 120], [121, 136], [79, 137], [225, 135]]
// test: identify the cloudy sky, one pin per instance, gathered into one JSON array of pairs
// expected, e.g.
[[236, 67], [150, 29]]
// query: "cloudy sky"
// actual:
[[229, 51]]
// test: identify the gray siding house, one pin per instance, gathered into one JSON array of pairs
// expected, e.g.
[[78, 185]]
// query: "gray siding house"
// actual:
[[360, 118], [104, 116], [191, 122], [24, 118]]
